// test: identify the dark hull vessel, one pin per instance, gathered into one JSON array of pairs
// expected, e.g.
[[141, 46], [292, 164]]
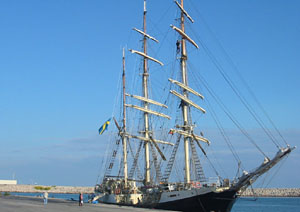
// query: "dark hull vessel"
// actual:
[[210, 201], [192, 191], [218, 202]]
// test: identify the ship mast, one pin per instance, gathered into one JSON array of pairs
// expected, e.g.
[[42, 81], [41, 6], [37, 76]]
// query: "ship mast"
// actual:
[[124, 138], [145, 94], [185, 94], [187, 128], [145, 108]]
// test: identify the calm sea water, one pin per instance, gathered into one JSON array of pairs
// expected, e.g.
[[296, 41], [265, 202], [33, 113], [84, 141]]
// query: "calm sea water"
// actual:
[[267, 205], [241, 205]]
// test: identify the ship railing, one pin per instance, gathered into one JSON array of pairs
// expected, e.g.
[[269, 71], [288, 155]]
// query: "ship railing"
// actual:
[[210, 182]]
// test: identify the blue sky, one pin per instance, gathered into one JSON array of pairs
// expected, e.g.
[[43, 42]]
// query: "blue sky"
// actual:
[[61, 60]]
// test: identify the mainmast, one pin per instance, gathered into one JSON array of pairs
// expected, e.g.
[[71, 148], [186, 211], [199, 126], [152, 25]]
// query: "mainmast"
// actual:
[[124, 138], [145, 94], [185, 94], [148, 136]]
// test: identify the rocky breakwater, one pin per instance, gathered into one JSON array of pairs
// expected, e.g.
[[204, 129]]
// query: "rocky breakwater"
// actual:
[[272, 192], [49, 189]]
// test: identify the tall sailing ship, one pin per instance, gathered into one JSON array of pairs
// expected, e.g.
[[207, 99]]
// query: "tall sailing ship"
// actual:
[[145, 185]]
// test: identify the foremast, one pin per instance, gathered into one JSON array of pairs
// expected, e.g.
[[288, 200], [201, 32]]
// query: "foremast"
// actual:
[[187, 129]]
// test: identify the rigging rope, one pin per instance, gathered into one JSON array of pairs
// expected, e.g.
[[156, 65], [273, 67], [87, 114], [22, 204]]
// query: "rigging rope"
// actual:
[[276, 172], [234, 88], [229, 114], [237, 93], [230, 61], [220, 127]]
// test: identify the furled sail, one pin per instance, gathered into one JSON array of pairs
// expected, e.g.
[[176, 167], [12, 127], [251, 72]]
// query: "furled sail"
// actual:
[[185, 36], [148, 111], [197, 137], [184, 11], [146, 56], [186, 88], [147, 100], [148, 139], [146, 35], [185, 99]]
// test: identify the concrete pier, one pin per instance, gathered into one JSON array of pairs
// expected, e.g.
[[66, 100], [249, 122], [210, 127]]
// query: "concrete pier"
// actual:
[[32, 204]]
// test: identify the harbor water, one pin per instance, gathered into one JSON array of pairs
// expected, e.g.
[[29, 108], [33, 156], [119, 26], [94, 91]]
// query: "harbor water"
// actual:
[[267, 204], [71, 197], [244, 204]]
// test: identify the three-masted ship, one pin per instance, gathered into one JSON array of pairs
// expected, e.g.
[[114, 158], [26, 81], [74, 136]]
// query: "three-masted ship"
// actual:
[[193, 193]]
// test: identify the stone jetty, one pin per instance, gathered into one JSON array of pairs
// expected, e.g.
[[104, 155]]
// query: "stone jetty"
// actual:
[[259, 192], [272, 192], [49, 189]]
